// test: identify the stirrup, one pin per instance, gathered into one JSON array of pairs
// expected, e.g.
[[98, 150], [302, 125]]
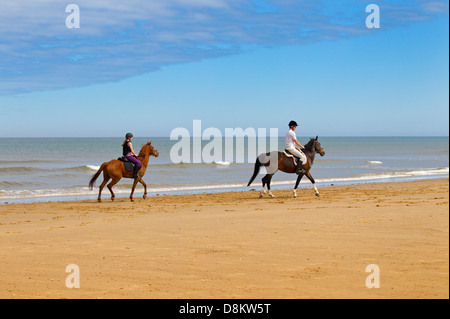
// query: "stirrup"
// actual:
[[300, 168], [136, 173]]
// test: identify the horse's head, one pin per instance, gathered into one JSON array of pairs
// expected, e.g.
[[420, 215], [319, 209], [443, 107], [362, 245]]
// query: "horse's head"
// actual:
[[318, 147], [148, 149], [152, 150], [314, 145]]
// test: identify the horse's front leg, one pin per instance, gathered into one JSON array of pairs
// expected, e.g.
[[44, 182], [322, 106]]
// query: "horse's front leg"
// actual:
[[313, 182], [145, 187], [133, 188]]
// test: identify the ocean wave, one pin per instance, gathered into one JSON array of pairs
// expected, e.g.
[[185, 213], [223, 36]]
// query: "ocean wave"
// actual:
[[11, 184], [20, 170], [30, 170], [188, 164], [222, 163], [83, 168], [332, 160], [392, 175], [167, 188], [9, 162], [14, 194], [374, 162], [119, 189], [378, 176]]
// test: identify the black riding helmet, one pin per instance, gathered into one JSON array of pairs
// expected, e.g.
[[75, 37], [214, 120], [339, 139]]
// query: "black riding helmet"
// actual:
[[129, 135], [293, 123]]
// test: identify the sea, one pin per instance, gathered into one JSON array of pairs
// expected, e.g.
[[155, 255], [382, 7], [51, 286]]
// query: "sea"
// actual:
[[59, 169]]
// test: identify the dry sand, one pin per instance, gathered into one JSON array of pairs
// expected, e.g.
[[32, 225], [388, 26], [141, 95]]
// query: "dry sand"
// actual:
[[233, 245]]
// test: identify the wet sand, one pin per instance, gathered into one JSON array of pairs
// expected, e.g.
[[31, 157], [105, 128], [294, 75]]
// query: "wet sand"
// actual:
[[233, 245]]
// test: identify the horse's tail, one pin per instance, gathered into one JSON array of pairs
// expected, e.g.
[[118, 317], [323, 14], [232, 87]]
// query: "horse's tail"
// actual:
[[96, 175], [258, 165]]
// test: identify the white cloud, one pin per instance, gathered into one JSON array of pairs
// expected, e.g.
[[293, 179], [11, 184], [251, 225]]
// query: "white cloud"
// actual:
[[118, 38], [435, 6]]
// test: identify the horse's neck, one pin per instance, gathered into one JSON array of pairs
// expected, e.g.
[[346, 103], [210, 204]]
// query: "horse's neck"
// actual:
[[144, 159], [312, 153]]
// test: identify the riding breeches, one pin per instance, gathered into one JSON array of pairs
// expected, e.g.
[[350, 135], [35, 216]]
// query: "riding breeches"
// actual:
[[298, 154], [134, 160]]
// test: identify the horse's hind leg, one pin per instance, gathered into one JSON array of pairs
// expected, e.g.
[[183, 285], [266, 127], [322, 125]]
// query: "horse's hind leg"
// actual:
[[266, 180], [263, 192], [110, 186], [106, 178], [299, 178]]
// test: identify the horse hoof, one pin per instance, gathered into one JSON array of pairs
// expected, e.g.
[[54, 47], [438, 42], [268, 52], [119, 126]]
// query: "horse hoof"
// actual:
[[112, 198], [144, 197], [131, 199], [317, 194], [261, 195]]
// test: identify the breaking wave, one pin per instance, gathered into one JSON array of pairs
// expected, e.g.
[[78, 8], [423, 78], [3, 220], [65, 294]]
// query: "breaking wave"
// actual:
[[167, 188]]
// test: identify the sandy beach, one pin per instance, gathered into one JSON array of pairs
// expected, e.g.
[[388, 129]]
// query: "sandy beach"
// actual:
[[233, 245]]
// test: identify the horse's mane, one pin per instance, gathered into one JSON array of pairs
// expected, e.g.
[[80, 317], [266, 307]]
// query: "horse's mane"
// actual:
[[310, 144], [142, 152]]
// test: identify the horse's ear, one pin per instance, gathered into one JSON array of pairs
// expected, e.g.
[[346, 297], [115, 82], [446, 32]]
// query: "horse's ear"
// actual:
[[317, 137]]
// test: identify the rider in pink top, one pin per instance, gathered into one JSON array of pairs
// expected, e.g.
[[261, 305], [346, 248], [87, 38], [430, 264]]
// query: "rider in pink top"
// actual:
[[129, 153]]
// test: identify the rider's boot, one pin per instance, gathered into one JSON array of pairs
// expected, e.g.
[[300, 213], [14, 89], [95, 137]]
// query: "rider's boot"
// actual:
[[135, 172], [300, 170]]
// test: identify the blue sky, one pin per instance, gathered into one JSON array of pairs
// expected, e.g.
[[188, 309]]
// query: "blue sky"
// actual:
[[151, 66]]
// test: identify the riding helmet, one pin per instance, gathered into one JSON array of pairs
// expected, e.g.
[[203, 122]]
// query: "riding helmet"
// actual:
[[129, 135], [293, 123]]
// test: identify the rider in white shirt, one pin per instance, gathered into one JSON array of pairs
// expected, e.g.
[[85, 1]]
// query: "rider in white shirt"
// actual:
[[290, 145]]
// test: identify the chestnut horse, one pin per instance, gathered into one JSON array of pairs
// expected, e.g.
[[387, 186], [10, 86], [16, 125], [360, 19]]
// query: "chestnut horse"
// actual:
[[286, 164], [115, 170]]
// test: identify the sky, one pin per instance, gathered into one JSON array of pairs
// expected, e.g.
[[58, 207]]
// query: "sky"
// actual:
[[151, 66]]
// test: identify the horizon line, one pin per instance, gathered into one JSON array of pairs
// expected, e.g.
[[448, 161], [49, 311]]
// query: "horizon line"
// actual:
[[324, 136]]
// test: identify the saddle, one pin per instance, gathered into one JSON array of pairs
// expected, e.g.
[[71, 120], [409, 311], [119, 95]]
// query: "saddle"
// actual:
[[129, 166], [288, 154], [294, 158]]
